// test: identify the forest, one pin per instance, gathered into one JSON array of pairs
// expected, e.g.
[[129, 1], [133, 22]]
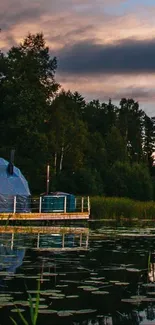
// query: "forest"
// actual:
[[93, 148]]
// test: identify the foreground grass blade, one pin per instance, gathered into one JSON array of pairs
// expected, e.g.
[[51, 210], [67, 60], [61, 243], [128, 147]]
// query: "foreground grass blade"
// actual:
[[21, 316], [37, 304], [33, 312], [13, 321], [31, 308]]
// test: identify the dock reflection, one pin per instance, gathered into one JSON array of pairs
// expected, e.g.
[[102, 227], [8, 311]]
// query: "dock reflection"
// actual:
[[45, 238], [14, 242]]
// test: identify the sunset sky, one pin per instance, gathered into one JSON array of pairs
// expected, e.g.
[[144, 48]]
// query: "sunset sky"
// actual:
[[105, 48]]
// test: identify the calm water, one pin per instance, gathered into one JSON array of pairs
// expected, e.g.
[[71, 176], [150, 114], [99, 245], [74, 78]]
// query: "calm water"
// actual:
[[104, 275]]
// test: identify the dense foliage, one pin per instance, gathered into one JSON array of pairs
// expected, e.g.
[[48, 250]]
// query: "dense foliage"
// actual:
[[92, 147]]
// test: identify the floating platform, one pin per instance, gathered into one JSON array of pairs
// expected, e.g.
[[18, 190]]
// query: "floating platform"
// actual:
[[44, 216]]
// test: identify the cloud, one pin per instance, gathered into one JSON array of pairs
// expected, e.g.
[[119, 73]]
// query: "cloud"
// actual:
[[67, 22], [105, 48], [125, 57], [138, 93], [104, 86]]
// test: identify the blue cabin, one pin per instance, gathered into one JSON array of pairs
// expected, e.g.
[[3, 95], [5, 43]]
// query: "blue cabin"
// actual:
[[13, 183], [56, 201]]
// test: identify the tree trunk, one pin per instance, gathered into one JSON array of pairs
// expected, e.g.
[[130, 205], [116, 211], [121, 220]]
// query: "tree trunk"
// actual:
[[55, 163], [61, 158]]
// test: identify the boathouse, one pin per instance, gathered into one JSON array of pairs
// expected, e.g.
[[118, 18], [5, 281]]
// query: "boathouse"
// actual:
[[14, 189]]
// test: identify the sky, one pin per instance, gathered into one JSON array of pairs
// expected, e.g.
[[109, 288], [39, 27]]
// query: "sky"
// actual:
[[105, 48]]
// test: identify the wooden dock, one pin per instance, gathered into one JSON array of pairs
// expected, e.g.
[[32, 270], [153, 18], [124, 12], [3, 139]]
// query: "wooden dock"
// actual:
[[44, 216]]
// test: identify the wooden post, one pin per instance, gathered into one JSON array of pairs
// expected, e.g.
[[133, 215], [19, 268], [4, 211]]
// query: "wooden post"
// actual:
[[40, 203], [65, 204], [82, 201], [14, 204]]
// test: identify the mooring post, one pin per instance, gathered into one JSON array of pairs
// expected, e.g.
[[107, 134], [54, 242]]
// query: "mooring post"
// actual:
[[63, 240], [14, 204], [65, 204], [82, 201], [12, 240], [40, 202]]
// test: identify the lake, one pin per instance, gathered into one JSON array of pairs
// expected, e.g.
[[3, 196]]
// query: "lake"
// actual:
[[92, 274]]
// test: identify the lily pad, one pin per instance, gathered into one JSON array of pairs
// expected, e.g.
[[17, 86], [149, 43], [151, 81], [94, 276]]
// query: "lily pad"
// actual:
[[57, 297], [17, 310], [72, 296], [88, 288], [34, 299], [132, 301], [64, 313], [85, 311], [121, 283], [47, 311], [133, 270], [100, 292]]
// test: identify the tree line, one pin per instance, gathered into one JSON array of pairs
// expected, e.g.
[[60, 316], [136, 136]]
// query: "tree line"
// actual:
[[92, 148]]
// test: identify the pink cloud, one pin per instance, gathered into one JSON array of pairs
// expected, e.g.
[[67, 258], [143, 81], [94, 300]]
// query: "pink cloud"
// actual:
[[66, 22]]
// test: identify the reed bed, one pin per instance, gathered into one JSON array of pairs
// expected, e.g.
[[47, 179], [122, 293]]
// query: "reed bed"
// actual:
[[116, 208]]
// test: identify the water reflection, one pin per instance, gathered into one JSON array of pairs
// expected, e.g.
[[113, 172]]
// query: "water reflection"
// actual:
[[104, 277], [41, 239], [151, 267], [10, 259]]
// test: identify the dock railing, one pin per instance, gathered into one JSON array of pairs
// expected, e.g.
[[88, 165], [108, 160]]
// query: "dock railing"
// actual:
[[36, 205]]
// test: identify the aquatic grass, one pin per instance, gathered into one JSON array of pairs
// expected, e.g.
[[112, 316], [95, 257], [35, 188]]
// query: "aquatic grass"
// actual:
[[34, 312], [34, 309], [117, 208], [24, 321]]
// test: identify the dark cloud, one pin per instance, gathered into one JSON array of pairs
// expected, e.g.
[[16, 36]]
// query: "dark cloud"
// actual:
[[123, 57]]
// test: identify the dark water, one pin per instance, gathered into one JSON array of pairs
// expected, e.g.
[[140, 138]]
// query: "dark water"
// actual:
[[97, 276]]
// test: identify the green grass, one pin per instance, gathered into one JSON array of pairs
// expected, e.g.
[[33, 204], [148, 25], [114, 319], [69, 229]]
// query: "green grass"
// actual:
[[116, 208], [33, 311]]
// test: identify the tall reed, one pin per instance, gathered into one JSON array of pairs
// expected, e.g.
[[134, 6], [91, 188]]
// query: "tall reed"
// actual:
[[115, 207], [33, 311]]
